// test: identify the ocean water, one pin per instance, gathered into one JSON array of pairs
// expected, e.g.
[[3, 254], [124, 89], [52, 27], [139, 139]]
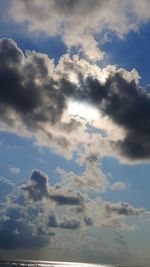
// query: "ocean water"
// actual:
[[21, 263]]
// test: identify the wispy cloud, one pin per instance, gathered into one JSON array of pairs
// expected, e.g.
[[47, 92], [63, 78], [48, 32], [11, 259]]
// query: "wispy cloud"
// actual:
[[118, 186], [14, 170]]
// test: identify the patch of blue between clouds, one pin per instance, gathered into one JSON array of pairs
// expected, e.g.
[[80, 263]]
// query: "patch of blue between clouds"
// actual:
[[134, 176], [132, 51], [39, 42], [24, 154], [92, 129]]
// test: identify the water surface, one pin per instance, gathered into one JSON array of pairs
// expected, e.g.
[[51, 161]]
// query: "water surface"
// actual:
[[28, 263]]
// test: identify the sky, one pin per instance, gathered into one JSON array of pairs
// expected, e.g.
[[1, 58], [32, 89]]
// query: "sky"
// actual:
[[75, 130]]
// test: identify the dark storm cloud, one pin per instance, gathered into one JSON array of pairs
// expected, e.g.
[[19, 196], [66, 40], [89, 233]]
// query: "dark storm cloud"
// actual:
[[28, 89], [127, 105], [19, 88], [12, 91], [125, 209]]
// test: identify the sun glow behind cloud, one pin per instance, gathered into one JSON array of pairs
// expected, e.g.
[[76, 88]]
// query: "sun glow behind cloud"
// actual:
[[83, 110], [73, 104]]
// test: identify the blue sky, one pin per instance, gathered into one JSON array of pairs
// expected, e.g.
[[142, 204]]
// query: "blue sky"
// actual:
[[74, 129]]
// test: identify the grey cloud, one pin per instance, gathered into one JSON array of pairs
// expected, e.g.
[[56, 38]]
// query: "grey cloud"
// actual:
[[88, 221], [66, 200], [72, 224], [120, 239], [125, 209], [93, 157], [29, 89], [33, 101], [128, 106], [67, 223], [74, 7], [52, 221], [22, 238], [37, 188]]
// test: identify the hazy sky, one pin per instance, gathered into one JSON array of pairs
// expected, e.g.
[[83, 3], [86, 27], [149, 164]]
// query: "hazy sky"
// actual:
[[75, 130]]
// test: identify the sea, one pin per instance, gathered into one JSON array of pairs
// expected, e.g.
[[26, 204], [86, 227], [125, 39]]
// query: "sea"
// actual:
[[29, 263]]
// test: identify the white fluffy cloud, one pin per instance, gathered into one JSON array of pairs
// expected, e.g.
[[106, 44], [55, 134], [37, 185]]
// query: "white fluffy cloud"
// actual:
[[92, 179], [81, 23]]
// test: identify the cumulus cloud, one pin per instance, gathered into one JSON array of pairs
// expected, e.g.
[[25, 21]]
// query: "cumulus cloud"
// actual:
[[70, 224], [34, 223], [91, 180], [26, 96], [37, 104], [38, 188], [112, 215], [82, 23], [118, 186], [73, 224], [125, 209]]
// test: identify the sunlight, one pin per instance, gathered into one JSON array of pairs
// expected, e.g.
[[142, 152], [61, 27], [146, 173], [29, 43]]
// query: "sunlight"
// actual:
[[83, 110]]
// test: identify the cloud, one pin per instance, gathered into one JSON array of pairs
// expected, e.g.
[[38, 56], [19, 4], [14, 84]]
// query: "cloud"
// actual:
[[125, 209], [73, 224], [118, 186], [33, 224], [18, 234], [112, 215], [70, 224], [119, 239], [91, 180], [88, 221], [37, 188], [37, 105], [14, 170], [26, 96], [82, 24], [6, 187], [52, 221], [66, 200]]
